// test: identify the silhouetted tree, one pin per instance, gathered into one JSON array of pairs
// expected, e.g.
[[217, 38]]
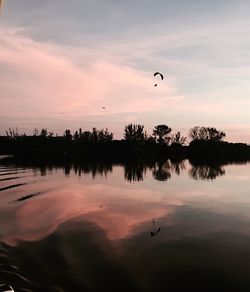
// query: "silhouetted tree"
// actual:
[[206, 144], [44, 132], [68, 134], [85, 136], [196, 133], [134, 132], [76, 136], [94, 135], [12, 133], [178, 139], [215, 135], [35, 132], [161, 134], [206, 133], [104, 136], [150, 140]]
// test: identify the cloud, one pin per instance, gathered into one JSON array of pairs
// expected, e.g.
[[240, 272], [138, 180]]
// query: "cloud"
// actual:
[[44, 80], [55, 85], [114, 216]]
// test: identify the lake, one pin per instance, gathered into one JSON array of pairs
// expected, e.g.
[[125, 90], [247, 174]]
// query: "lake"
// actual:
[[159, 226]]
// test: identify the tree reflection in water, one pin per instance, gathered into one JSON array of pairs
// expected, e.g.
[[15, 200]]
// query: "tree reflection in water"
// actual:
[[178, 166], [134, 170], [88, 167], [206, 172], [161, 170]]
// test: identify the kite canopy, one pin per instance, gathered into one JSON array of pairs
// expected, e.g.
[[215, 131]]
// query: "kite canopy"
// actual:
[[158, 73]]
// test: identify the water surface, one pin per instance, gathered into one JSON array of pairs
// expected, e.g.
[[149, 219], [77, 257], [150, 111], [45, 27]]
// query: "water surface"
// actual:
[[163, 226]]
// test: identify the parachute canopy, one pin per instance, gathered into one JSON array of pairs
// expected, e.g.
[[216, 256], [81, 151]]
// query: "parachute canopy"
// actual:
[[158, 73], [161, 75]]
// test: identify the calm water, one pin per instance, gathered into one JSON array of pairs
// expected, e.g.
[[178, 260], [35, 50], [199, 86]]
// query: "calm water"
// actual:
[[135, 227]]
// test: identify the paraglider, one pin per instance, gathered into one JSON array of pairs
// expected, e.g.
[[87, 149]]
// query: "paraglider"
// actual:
[[161, 75]]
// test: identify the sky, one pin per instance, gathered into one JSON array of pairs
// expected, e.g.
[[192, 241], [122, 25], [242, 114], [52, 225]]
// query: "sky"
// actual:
[[62, 61]]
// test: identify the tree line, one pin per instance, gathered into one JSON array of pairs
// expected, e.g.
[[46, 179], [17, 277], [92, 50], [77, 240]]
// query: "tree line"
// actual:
[[201, 142], [162, 134]]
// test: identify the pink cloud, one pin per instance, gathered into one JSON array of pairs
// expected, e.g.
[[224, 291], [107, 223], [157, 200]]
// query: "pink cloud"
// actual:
[[117, 216], [45, 79], [59, 87]]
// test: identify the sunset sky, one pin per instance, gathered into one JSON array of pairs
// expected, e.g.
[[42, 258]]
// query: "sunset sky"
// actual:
[[62, 61]]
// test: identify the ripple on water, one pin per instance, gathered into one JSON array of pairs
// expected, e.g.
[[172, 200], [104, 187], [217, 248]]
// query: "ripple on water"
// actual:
[[12, 186]]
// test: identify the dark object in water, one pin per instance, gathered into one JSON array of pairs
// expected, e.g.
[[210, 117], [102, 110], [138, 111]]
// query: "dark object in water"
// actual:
[[6, 288], [12, 186], [28, 197], [153, 233]]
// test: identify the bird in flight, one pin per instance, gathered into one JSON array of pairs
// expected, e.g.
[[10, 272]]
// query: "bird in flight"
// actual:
[[161, 75]]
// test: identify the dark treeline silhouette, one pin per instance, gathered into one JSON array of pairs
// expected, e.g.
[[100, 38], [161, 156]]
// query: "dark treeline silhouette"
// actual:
[[205, 143]]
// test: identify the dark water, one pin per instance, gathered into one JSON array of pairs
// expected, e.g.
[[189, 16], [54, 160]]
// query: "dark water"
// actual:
[[134, 227]]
